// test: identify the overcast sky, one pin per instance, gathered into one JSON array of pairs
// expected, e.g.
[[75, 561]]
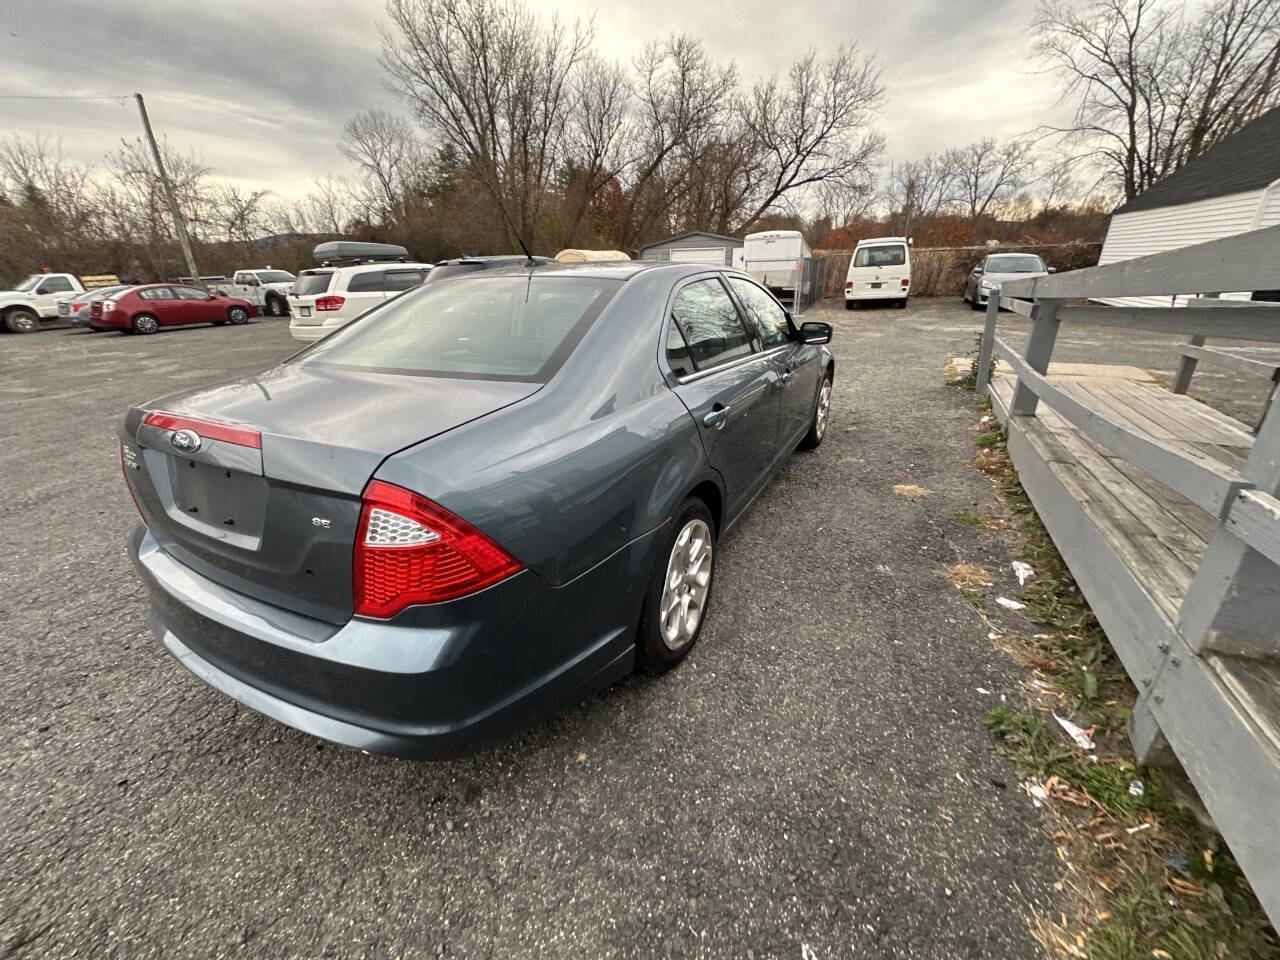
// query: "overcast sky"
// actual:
[[259, 90]]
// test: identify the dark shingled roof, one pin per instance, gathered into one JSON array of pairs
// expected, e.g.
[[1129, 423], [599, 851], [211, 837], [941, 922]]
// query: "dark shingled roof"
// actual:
[[1249, 159]]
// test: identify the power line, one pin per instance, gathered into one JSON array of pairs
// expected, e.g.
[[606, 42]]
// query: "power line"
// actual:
[[15, 96]]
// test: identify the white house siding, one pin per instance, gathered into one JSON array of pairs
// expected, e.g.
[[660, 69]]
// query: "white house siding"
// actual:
[[1144, 232], [1269, 214]]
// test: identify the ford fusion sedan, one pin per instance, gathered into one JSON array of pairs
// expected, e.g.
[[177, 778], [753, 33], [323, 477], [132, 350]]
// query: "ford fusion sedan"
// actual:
[[986, 277], [147, 308], [479, 502]]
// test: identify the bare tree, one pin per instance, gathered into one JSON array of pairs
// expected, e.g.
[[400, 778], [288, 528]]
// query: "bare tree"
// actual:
[[1156, 86], [986, 171], [390, 157], [844, 203], [494, 80], [598, 133], [917, 190], [815, 126]]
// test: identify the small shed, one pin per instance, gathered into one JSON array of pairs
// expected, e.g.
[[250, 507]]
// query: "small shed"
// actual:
[[694, 247], [1231, 188]]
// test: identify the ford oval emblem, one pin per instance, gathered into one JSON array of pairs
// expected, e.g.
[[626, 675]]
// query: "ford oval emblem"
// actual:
[[188, 441]]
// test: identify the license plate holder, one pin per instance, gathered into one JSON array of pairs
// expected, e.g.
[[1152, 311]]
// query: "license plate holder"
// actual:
[[876, 286], [304, 311]]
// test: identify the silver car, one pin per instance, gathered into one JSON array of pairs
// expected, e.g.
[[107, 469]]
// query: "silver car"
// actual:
[[76, 310], [986, 277]]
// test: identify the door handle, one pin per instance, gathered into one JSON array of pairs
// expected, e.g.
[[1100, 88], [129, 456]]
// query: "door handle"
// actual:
[[785, 376], [716, 417]]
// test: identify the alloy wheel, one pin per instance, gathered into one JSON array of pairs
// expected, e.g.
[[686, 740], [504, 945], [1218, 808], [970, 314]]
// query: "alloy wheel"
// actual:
[[824, 407], [238, 315], [687, 585]]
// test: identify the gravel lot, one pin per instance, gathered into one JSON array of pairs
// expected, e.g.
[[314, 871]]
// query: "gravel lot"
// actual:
[[814, 781]]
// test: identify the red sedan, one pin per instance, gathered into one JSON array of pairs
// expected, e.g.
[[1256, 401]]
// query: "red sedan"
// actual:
[[147, 308]]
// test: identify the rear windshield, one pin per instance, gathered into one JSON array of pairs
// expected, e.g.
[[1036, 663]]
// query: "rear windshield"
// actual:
[[494, 328], [885, 255], [312, 282], [1022, 263]]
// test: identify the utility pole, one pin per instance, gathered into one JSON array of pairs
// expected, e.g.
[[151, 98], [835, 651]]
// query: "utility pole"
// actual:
[[178, 225]]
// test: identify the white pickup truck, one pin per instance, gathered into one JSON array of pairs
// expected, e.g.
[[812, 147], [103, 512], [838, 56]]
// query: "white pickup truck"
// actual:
[[34, 302], [266, 288]]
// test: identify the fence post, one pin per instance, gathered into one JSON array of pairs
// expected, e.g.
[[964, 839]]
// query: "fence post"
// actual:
[[1233, 602], [1186, 367], [988, 342], [1044, 332]]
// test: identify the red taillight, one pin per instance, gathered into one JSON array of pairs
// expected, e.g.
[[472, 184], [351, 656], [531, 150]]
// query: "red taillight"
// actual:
[[848, 284], [208, 429], [124, 470], [330, 303], [410, 551], [77, 306], [906, 282]]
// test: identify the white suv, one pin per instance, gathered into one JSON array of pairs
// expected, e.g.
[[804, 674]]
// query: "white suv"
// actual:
[[328, 297]]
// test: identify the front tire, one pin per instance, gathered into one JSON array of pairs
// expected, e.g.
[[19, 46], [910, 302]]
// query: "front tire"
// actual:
[[144, 323], [679, 592], [275, 307], [821, 414], [21, 321], [238, 315]]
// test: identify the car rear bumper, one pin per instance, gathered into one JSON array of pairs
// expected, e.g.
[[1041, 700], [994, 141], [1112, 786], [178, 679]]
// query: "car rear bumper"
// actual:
[[434, 682], [887, 293]]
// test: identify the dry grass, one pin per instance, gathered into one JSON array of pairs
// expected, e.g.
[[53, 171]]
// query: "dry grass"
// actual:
[[911, 491], [968, 576]]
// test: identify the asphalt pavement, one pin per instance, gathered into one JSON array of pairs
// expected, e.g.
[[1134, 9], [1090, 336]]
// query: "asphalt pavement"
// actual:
[[815, 781]]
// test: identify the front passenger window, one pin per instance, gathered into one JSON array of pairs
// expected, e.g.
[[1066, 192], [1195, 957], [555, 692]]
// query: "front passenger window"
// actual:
[[769, 319], [710, 324]]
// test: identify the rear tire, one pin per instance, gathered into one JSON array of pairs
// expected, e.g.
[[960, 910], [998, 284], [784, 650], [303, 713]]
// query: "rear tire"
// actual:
[[144, 323], [974, 304], [276, 307], [21, 321], [902, 304], [238, 315], [850, 304], [821, 414], [682, 579]]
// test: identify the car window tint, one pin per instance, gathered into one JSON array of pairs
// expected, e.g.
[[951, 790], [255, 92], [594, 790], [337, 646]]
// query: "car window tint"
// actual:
[[55, 285], [495, 328], [888, 255], [678, 352], [397, 280], [710, 324], [156, 293], [764, 312], [313, 282], [190, 293], [367, 282]]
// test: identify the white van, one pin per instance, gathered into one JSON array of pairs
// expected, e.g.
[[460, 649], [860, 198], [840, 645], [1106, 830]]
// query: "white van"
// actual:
[[880, 269]]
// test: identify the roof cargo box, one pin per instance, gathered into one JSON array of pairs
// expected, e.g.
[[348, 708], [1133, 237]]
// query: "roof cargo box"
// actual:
[[350, 251]]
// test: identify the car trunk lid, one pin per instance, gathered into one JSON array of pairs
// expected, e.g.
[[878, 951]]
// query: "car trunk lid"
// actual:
[[264, 496]]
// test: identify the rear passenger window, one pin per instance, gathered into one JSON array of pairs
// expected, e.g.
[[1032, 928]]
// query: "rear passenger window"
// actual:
[[156, 293], [710, 324], [678, 353], [397, 280], [367, 282], [769, 319]]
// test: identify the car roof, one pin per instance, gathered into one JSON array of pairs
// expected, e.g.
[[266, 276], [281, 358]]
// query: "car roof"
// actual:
[[598, 269], [883, 240]]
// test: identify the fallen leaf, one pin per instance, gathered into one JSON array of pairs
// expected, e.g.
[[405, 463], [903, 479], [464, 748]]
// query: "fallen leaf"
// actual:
[[1105, 881], [582, 758], [1186, 888], [1161, 954], [1196, 919]]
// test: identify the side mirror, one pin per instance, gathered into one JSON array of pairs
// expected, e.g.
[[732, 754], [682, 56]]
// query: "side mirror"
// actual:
[[811, 331], [1051, 269]]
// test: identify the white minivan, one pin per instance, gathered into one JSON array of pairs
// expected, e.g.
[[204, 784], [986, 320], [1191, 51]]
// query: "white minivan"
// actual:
[[880, 269]]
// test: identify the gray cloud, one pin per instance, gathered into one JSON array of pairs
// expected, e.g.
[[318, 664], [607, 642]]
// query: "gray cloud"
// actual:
[[259, 90]]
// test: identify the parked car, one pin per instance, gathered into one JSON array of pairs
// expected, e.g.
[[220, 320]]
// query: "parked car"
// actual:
[[353, 278], [147, 308], [77, 311], [778, 259], [879, 270], [34, 302], [267, 289], [484, 500], [986, 277], [460, 265]]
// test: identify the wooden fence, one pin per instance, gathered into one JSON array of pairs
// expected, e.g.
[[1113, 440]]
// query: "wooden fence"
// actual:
[[1167, 513]]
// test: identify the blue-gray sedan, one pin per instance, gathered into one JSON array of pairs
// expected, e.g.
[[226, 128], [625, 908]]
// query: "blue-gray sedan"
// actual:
[[483, 500]]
